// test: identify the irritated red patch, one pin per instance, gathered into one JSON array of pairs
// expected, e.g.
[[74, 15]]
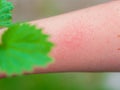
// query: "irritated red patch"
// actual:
[[70, 38], [118, 48], [119, 36], [67, 48], [69, 43]]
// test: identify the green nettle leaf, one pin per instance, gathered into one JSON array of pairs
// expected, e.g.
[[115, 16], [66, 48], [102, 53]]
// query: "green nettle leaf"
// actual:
[[5, 13], [23, 47]]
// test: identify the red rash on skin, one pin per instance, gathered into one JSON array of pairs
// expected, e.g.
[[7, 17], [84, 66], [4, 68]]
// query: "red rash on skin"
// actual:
[[118, 48], [67, 39], [118, 35], [67, 45]]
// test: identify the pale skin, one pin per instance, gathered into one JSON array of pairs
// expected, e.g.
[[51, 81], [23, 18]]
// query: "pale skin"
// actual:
[[85, 40]]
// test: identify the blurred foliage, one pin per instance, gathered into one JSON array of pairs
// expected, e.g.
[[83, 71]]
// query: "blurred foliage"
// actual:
[[66, 81]]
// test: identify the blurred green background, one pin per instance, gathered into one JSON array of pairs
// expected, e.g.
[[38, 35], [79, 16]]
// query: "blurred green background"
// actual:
[[27, 10]]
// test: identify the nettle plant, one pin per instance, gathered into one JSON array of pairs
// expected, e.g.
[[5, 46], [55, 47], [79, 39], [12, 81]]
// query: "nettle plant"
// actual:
[[22, 46]]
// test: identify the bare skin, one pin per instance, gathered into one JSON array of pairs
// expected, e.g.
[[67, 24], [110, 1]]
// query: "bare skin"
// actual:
[[86, 40]]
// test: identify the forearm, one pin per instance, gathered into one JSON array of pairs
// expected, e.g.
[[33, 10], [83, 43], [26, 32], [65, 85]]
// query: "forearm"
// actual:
[[86, 40]]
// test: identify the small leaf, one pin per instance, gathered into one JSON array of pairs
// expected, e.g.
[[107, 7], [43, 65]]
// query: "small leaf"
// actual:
[[23, 47], [5, 13]]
